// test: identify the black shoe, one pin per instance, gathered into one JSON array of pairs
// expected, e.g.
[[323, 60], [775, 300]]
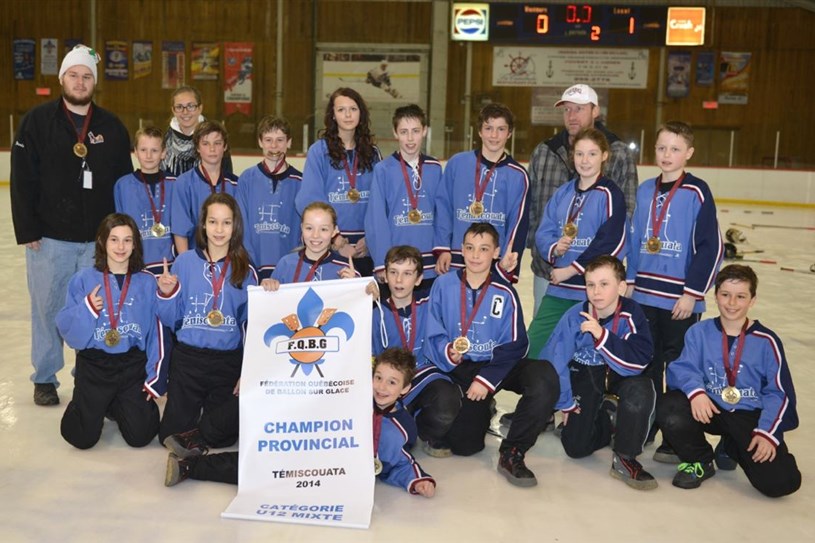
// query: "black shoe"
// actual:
[[723, 460], [511, 465], [178, 469], [691, 475], [665, 454], [186, 444], [629, 471], [45, 394]]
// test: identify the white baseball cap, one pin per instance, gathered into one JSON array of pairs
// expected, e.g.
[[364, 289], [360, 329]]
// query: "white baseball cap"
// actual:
[[81, 55], [579, 94]]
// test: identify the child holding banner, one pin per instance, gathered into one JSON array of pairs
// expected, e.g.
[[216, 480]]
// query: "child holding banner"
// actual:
[[208, 313], [475, 334], [394, 435], [110, 319], [400, 322]]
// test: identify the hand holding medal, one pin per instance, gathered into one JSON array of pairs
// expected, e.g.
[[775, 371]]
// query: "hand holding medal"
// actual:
[[167, 282]]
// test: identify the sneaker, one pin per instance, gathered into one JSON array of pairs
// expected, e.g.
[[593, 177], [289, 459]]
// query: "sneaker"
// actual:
[[723, 460], [45, 394], [629, 471], [691, 475], [436, 450], [186, 444], [178, 469], [511, 465], [665, 454]]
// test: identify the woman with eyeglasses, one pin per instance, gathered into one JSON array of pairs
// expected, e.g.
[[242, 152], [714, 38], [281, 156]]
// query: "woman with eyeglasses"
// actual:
[[187, 108]]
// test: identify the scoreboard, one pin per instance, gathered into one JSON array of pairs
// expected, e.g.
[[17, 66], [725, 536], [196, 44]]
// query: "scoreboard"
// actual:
[[578, 24]]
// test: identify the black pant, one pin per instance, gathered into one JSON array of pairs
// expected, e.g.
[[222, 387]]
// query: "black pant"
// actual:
[[591, 429], [219, 425], [114, 384], [221, 468], [774, 479], [537, 383], [668, 336], [435, 409], [199, 379]]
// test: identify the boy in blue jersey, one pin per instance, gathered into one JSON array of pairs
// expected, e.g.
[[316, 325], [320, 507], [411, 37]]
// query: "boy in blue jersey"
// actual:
[[484, 185], [402, 210], [675, 250], [145, 195], [475, 334], [400, 322], [393, 427], [599, 347], [732, 380], [266, 196]]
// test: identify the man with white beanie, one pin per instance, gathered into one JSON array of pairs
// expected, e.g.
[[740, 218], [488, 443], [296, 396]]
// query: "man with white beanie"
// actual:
[[66, 157]]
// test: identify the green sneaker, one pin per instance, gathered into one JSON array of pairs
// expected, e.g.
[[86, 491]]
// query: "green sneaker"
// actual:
[[691, 475]]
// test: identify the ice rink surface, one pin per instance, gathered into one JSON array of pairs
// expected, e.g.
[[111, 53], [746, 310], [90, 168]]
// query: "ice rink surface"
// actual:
[[53, 492]]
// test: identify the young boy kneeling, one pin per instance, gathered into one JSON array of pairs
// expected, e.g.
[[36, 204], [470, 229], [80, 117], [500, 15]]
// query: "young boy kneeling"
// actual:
[[732, 380]]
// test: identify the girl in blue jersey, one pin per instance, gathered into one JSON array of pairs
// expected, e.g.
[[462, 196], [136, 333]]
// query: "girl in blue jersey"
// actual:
[[339, 171], [584, 219], [110, 319], [204, 300]]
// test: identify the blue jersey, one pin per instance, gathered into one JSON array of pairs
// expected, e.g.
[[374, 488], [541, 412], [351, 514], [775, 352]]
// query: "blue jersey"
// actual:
[[601, 230], [691, 250], [131, 198], [504, 200], [191, 190], [83, 327], [763, 379], [497, 334], [626, 351], [329, 268], [271, 225], [387, 223], [324, 183], [397, 436], [386, 335], [185, 309]]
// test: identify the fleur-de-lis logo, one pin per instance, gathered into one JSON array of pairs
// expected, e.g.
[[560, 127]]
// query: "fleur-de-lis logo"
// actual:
[[307, 335]]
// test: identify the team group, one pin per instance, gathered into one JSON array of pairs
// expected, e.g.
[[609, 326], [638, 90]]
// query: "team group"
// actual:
[[145, 274]]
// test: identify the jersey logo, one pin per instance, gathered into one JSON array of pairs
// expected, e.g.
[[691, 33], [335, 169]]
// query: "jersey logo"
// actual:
[[497, 306]]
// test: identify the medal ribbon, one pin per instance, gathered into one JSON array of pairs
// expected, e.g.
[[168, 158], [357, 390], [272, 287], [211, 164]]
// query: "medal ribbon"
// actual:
[[276, 168], [481, 188], [412, 194], [156, 213], [113, 312], [378, 414], [352, 175], [311, 270], [734, 371], [615, 323], [656, 222], [80, 137], [574, 213], [217, 282], [221, 179], [466, 322], [407, 345]]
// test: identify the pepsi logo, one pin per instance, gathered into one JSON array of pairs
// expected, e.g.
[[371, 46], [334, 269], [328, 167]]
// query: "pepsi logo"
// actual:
[[470, 21]]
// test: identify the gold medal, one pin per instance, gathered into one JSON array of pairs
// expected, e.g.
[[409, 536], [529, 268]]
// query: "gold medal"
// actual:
[[80, 150], [476, 208], [461, 344], [158, 230], [731, 395], [653, 245], [414, 216], [353, 195], [215, 318], [112, 338], [570, 230], [377, 466]]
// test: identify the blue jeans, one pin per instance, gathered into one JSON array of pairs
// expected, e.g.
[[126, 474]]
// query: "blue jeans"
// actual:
[[539, 286], [48, 271]]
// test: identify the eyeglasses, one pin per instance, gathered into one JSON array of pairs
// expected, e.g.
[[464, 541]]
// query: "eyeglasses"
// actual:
[[189, 108]]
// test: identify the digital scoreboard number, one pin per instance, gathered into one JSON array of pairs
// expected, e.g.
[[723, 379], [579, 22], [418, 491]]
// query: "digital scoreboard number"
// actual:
[[578, 24]]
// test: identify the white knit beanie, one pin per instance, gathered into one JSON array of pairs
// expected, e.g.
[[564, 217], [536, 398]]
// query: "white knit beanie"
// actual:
[[80, 55]]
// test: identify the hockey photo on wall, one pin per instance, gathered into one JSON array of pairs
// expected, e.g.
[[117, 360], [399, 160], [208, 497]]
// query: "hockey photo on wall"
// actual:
[[377, 77]]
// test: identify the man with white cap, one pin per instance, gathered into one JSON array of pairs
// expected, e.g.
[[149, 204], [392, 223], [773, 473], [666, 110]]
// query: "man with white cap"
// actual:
[[66, 157]]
